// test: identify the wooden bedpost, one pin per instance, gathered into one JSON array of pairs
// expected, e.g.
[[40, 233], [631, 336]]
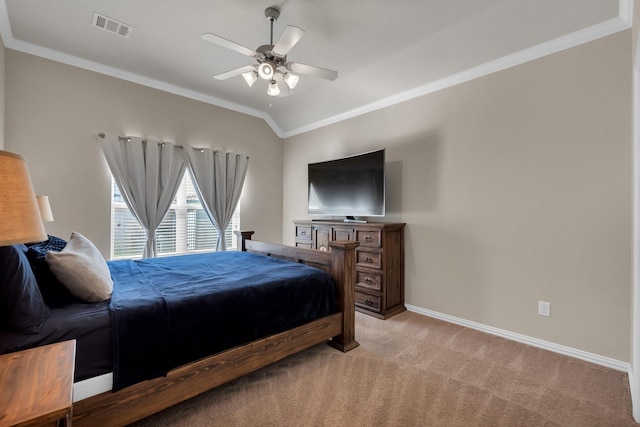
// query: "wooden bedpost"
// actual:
[[343, 261], [241, 236]]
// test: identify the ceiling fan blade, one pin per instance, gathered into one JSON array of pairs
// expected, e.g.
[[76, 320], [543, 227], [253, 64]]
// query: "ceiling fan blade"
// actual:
[[233, 73], [310, 70], [288, 40], [229, 44]]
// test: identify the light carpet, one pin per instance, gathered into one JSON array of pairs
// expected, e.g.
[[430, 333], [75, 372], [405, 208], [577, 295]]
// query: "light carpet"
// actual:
[[412, 370]]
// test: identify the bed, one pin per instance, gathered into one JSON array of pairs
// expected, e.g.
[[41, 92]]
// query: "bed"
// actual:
[[184, 358]]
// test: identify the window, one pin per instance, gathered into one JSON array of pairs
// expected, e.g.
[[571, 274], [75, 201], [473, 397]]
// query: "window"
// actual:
[[184, 229]]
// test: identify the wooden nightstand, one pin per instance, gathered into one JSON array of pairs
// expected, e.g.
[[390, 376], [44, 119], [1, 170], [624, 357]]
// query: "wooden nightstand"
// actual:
[[36, 386]]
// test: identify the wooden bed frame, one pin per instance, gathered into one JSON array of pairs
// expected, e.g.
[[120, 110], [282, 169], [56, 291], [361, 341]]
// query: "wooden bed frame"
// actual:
[[146, 398]]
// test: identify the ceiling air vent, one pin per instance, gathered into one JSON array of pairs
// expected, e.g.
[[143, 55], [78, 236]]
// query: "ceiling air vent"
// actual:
[[111, 25]]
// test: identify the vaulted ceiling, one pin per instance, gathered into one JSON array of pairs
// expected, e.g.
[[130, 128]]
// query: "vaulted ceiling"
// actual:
[[385, 52]]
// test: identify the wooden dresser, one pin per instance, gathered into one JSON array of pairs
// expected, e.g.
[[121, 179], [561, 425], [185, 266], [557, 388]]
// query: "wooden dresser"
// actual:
[[379, 260]]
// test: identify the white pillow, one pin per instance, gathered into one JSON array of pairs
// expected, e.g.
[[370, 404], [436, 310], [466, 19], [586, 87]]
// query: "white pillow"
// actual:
[[82, 269]]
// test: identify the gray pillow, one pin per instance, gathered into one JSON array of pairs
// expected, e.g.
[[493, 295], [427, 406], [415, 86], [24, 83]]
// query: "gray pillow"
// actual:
[[82, 269]]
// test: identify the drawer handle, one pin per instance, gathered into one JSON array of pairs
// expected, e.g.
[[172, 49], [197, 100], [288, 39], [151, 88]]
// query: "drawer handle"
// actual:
[[368, 302], [303, 233], [368, 280], [368, 238], [369, 260]]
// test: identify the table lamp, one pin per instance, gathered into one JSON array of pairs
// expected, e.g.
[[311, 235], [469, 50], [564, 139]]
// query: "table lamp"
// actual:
[[45, 208], [20, 218]]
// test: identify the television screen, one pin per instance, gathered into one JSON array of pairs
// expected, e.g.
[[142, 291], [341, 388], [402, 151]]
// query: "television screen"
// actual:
[[350, 186]]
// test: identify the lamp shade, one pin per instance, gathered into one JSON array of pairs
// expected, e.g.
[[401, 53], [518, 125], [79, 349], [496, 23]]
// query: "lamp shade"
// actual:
[[273, 89], [291, 80], [20, 220], [250, 77], [45, 208]]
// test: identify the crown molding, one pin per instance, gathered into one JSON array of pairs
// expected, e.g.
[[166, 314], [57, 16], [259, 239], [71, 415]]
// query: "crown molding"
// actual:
[[64, 58], [620, 23], [577, 38]]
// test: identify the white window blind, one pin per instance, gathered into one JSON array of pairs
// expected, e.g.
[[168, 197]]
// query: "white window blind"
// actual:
[[185, 228]]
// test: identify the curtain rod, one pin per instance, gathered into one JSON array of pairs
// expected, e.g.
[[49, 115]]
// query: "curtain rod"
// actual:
[[144, 141], [128, 138]]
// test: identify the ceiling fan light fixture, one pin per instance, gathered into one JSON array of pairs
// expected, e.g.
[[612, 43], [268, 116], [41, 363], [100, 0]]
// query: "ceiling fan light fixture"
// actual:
[[271, 59], [250, 77], [266, 70], [273, 90], [291, 80]]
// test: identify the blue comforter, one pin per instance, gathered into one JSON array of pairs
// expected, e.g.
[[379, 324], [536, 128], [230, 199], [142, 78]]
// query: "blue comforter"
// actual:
[[170, 311]]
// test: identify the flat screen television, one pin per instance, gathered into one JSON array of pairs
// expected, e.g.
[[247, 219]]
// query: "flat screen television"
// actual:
[[351, 186]]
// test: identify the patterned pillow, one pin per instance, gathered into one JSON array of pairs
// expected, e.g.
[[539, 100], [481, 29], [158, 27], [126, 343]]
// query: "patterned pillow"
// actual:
[[54, 293]]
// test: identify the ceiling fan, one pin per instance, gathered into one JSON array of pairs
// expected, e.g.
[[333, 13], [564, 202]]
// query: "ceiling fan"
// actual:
[[271, 59]]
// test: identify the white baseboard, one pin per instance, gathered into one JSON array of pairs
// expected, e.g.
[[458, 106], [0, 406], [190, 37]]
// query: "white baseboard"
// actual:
[[634, 398], [546, 345]]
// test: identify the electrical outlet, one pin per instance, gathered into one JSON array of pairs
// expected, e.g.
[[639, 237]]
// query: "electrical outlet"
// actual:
[[544, 308]]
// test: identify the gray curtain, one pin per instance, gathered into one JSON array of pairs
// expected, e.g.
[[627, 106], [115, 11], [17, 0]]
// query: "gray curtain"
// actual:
[[218, 178], [148, 174]]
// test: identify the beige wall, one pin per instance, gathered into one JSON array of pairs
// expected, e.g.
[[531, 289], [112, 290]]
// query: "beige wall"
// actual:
[[635, 28], [54, 111], [515, 187], [2, 91]]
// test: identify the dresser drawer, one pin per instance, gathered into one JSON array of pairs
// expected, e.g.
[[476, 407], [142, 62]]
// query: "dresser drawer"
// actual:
[[369, 280], [303, 231], [368, 259], [371, 302], [370, 238], [304, 244]]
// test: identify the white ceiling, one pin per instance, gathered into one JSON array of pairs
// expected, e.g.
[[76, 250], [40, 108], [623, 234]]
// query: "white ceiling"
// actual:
[[384, 52]]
